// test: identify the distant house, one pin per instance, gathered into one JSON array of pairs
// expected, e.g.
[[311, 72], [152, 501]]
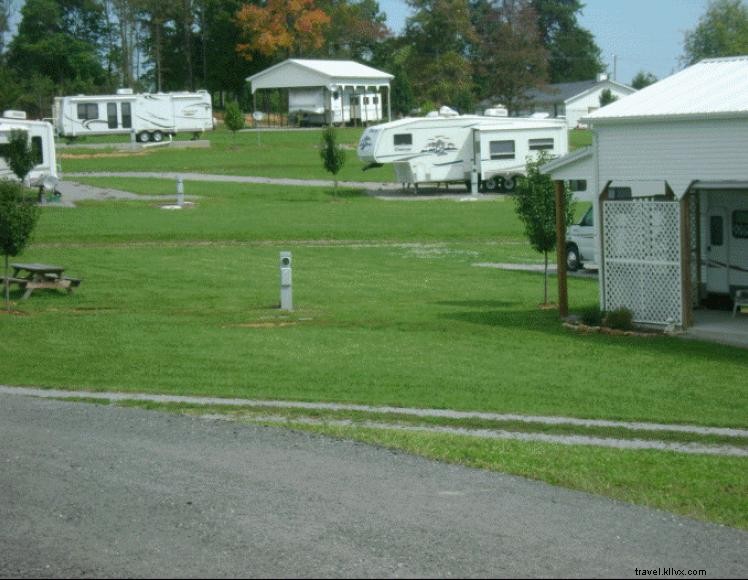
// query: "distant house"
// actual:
[[328, 91], [668, 179], [574, 100]]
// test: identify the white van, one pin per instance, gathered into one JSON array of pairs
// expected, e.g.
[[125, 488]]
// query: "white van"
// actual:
[[581, 249]]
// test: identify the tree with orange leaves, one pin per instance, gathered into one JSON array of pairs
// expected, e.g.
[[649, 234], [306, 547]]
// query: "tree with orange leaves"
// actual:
[[294, 27]]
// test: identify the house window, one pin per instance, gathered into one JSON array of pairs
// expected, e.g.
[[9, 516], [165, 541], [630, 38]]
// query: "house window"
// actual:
[[541, 144], [404, 140], [126, 116], [501, 149], [716, 230], [740, 224], [88, 111], [577, 185], [111, 115]]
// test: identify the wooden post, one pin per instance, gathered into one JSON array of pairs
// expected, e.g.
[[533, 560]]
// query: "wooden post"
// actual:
[[563, 297], [685, 262]]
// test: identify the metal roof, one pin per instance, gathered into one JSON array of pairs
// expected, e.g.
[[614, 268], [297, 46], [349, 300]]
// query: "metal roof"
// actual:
[[562, 92], [716, 87], [297, 72]]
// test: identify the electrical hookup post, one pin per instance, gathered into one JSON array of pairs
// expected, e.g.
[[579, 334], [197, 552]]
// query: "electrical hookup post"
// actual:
[[286, 291]]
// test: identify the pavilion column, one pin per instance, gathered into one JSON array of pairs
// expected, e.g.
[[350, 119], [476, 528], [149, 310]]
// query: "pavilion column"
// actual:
[[563, 296]]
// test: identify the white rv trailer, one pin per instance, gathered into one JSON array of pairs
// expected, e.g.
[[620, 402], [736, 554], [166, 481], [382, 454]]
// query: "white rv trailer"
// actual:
[[149, 116], [42, 138], [320, 106], [459, 148]]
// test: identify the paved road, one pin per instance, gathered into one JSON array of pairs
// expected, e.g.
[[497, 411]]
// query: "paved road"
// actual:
[[88, 490]]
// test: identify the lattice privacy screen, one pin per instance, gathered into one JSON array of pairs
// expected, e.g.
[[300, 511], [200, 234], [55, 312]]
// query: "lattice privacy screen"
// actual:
[[642, 259]]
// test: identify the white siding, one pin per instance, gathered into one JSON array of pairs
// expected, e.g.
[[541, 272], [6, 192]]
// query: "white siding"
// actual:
[[587, 103], [677, 152]]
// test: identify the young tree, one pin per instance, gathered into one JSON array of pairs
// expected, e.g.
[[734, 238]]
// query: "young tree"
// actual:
[[20, 156], [721, 31], [233, 117], [536, 207], [18, 217], [332, 154]]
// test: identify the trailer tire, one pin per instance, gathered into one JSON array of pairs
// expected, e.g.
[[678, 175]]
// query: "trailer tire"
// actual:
[[493, 183], [510, 184], [144, 137], [157, 136], [573, 258]]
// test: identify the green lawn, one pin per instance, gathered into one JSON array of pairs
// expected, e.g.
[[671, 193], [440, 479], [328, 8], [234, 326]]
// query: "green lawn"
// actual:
[[293, 154], [390, 309]]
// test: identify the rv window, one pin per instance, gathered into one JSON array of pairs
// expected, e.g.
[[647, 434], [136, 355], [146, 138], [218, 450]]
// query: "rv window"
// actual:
[[740, 224], [126, 116], [588, 219], [88, 111], [403, 139], [37, 150], [335, 96], [541, 144], [716, 231], [502, 149], [577, 185], [376, 100], [111, 115]]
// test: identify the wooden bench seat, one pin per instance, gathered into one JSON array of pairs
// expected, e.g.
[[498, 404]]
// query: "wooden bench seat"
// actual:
[[12, 280]]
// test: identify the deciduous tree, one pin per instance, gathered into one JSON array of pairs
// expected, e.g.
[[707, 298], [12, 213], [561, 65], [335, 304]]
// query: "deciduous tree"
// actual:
[[643, 79], [536, 208], [285, 27], [721, 31], [18, 217]]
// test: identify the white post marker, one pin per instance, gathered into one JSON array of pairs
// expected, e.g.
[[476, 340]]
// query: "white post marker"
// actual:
[[180, 191], [285, 281]]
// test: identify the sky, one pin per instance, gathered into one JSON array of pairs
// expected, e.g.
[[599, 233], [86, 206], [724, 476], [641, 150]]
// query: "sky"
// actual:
[[644, 35]]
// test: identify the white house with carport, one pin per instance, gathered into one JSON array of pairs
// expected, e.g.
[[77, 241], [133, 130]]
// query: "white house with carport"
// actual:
[[668, 172], [328, 91]]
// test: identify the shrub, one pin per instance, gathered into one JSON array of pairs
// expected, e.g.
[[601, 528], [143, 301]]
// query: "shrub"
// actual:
[[592, 316], [620, 318]]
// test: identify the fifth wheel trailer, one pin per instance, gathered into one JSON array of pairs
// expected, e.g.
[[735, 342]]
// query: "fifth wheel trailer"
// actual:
[[489, 151], [150, 116]]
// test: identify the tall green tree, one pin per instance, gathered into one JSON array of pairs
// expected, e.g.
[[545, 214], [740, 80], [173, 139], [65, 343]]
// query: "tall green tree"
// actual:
[[355, 29], [721, 31], [508, 56], [43, 46], [573, 54], [535, 204], [18, 217], [440, 33]]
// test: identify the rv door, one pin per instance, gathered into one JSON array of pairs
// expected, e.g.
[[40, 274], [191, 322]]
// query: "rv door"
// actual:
[[717, 252]]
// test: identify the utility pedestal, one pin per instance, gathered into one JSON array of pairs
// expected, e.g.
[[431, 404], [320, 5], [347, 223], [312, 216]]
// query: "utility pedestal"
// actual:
[[285, 281]]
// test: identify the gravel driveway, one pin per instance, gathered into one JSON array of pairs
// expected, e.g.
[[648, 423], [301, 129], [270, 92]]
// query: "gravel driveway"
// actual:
[[91, 490]]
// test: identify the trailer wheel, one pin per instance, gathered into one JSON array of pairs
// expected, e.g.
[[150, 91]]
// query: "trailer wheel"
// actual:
[[510, 183], [492, 184], [573, 261], [144, 137], [157, 136]]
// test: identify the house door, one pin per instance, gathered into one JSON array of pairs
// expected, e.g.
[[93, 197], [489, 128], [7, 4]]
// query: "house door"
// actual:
[[717, 252]]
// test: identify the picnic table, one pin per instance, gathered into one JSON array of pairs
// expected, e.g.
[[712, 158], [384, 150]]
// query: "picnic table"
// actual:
[[32, 277]]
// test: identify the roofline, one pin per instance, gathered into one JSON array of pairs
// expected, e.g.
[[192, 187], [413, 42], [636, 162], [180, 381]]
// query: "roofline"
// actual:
[[300, 63], [596, 86], [567, 159], [682, 117]]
